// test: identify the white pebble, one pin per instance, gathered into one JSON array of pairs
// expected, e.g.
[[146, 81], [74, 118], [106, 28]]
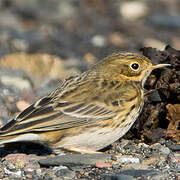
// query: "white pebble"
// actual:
[[18, 173], [128, 159], [18, 82], [133, 10], [98, 41], [154, 43], [165, 150]]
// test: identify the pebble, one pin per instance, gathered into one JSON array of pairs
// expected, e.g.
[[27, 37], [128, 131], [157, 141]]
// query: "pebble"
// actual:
[[135, 166], [29, 176], [150, 42], [175, 147], [165, 20], [130, 174], [102, 165], [22, 105], [16, 173], [124, 143], [152, 160], [133, 10], [66, 10], [160, 176], [139, 172], [128, 159], [117, 39], [18, 82], [116, 177], [11, 166], [74, 159], [38, 172], [98, 41], [164, 150], [65, 173]]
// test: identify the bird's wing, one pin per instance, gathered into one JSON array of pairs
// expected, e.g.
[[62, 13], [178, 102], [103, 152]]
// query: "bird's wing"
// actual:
[[61, 110]]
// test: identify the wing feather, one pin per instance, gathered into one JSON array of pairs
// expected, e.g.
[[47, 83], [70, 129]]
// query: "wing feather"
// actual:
[[62, 109], [56, 117]]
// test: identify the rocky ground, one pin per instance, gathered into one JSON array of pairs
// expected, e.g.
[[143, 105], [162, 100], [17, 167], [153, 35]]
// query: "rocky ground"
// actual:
[[43, 43]]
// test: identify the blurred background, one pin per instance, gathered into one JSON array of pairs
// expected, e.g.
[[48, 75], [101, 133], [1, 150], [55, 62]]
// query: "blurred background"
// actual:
[[73, 28], [44, 41]]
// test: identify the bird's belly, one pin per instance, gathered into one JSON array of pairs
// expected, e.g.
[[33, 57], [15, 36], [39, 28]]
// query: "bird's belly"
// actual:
[[96, 138]]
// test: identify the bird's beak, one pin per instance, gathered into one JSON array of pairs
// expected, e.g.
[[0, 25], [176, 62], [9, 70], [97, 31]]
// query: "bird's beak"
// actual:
[[159, 66]]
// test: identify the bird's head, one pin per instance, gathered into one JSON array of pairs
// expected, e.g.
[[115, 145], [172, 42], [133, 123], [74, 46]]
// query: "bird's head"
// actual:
[[127, 66]]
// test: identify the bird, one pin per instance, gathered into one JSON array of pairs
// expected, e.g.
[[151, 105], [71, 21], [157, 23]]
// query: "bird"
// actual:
[[87, 112]]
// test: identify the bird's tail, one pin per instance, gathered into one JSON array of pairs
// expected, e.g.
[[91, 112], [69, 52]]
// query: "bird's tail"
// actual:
[[7, 136]]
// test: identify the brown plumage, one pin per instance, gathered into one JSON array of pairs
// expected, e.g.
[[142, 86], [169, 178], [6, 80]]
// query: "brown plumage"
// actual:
[[87, 112]]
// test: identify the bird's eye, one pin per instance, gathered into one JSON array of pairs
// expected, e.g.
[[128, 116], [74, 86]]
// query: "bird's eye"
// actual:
[[134, 66]]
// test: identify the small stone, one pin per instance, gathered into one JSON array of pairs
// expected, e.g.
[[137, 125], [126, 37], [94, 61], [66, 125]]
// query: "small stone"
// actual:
[[128, 159], [165, 150], [19, 164], [114, 158], [165, 20], [90, 59], [102, 165], [150, 42], [140, 145], [130, 174], [11, 166], [175, 42], [65, 173], [117, 39], [65, 10], [160, 176], [175, 147], [124, 143], [98, 41], [22, 105], [116, 177], [135, 166], [47, 177], [138, 173], [74, 159], [18, 82], [162, 162], [22, 161], [152, 160], [29, 176], [133, 10], [16, 173], [38, 172]]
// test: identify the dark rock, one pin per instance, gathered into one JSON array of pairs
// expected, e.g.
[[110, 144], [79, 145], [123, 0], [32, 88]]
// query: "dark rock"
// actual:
[[138, 173], [165, 20], [175, 147], [47, 177], [129, 174], [74, 159], [154, 96], [116, 177], [63, 173]]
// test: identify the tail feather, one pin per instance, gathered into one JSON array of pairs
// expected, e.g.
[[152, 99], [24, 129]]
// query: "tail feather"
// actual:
[[20, 138], [6, 138]]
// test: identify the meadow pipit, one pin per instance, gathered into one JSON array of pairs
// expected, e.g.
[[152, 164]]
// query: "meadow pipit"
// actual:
[[87, 112]]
